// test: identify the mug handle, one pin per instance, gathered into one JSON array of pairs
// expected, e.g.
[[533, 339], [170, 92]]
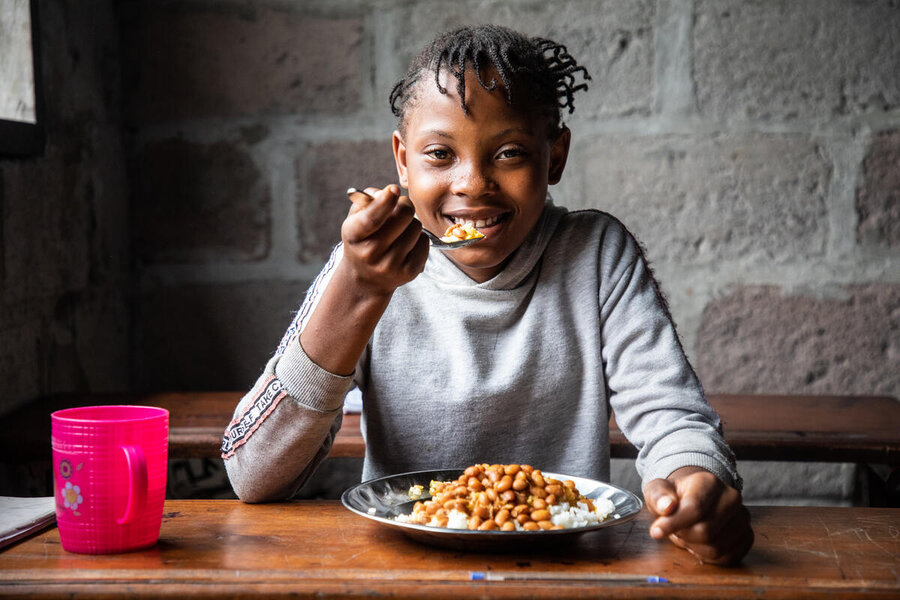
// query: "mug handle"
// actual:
[[137, 482]]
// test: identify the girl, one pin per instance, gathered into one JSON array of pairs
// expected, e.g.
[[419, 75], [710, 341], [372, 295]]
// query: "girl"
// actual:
[[511, 350]]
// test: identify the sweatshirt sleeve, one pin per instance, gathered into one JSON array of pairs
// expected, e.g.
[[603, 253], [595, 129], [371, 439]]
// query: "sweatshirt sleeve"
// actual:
[[656, 397], [283, 428]]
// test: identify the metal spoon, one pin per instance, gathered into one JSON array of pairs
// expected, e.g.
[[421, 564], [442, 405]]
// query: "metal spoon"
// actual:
[[361, 198]]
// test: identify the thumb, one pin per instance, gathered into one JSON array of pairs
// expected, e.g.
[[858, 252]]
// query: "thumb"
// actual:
[[661, 497]]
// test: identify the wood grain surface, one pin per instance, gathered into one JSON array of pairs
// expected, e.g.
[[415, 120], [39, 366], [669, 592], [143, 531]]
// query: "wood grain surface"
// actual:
[[227, 549]]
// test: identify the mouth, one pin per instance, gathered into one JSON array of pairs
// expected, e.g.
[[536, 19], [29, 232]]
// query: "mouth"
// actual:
[[480, 222]]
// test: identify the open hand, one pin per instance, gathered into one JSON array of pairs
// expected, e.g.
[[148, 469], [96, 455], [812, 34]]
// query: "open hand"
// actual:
[[701, 514]]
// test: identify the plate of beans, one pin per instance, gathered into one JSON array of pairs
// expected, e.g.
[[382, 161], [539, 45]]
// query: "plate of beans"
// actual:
[[490, 506]]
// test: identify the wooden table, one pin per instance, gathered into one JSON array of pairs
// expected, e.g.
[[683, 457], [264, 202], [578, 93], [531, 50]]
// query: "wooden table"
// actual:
[[227, 549], [864, 429]]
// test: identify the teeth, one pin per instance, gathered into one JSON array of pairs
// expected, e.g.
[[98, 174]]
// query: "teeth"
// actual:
[[476, 224]]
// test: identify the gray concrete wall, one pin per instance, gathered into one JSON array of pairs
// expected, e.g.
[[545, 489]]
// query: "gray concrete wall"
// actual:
[[754, 147], [65, 268]]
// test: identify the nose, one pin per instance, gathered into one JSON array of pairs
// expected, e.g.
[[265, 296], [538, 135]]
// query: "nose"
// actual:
[[472, 179]]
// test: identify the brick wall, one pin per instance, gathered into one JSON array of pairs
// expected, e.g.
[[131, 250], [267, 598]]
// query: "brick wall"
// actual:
[[753, 147], [64, 241]]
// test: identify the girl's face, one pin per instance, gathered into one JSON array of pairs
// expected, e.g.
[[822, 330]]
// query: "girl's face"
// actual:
[[491, 167]]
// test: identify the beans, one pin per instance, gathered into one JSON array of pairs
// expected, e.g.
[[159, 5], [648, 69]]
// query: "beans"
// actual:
[[456, 504], [538, 492], [540, 515], [495, 496]]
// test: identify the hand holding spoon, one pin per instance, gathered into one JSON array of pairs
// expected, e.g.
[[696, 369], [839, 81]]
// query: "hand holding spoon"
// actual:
[[361, 198]]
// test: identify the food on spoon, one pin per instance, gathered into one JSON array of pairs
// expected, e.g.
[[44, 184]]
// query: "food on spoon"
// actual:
[[460, 232], [506, 498]]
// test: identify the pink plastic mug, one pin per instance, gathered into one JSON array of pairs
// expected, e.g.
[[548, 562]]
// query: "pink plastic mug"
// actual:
[[109, 465]]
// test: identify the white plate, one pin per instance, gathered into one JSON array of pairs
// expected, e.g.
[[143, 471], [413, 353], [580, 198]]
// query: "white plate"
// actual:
[[387, 497]]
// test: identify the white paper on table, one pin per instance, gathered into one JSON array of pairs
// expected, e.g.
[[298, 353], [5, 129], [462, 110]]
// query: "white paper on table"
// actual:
[[20, 517]]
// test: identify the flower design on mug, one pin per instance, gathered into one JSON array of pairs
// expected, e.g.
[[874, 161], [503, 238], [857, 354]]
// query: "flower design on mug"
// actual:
[[72, 496], [65, 468]]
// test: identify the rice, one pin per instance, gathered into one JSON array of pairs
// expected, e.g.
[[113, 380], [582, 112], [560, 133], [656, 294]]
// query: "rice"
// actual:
[[569, 517], [505, 497], [563, 514], [455, 520]]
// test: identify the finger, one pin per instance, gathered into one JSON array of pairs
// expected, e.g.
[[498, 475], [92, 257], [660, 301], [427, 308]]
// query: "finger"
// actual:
[[730, 540], [404, 242], [359, 198], [405, 200], [392, 255], [417, 256], [369, 215], [716, 521], [720, 554], [661, 497], [739, 551], [686, 547], [385, 218], [696, 495]]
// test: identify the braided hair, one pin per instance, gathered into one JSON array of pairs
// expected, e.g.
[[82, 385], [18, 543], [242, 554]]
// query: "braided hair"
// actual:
[[537, 74]]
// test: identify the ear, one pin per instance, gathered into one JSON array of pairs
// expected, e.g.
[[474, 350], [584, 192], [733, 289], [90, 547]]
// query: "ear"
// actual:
[[559, 152], [400, 158]]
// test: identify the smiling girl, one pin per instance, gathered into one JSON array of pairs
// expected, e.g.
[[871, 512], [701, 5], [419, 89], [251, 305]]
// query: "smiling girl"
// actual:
[[511, 350]]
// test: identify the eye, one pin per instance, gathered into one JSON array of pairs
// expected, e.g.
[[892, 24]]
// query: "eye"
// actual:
[[438, 154], [511, 153]]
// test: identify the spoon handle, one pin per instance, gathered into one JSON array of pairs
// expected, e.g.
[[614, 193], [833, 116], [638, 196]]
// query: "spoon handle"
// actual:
[[359, 197]]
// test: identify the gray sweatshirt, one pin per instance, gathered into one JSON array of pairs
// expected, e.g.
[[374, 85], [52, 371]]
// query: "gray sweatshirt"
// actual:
[[523, 368]]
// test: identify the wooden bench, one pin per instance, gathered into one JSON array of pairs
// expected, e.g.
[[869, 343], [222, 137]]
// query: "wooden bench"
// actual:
[[860, 429]]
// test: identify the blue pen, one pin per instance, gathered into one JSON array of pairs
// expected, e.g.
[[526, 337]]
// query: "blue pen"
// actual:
[[562, 576]]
